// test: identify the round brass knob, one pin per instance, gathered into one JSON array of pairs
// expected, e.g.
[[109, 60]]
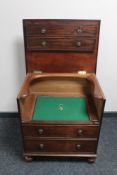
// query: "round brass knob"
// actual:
[[80, 132], [41, 146], [43, 43], [78, 146], [79, 29], [40, 131], [43, 30], [78, 43]]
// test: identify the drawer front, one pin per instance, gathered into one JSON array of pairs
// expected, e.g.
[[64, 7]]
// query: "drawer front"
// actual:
[[60, 28], [71, 44], [77, 146], [60, 131]]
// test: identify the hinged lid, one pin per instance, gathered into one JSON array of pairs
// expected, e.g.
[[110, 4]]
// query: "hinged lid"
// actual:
[[61, 45]]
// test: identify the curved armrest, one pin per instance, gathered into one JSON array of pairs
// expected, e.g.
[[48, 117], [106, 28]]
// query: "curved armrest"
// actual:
[[24, 92], [96, 89]]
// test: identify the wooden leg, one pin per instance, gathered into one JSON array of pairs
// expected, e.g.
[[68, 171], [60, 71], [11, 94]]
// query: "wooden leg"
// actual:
[[91, 159], [28, 158]]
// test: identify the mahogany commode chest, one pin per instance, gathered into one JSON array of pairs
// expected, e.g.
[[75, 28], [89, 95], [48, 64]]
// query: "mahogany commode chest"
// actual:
[[61, 102]]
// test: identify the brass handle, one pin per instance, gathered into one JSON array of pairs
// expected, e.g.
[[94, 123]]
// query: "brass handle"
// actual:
[[43, 43], [78, 43], [80, 132], [37, 71], [43, 30], [79, 29], [78, 146], [41, 146], [40, 131]]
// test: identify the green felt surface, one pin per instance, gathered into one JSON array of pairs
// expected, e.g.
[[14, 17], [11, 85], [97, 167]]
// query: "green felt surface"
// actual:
[[60, 108]]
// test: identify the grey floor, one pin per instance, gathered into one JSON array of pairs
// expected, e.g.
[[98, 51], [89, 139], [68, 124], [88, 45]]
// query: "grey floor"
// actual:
[[11, 162]]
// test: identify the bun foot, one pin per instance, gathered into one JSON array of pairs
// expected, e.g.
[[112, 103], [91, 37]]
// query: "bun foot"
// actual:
[[28, 158], [91, 160]]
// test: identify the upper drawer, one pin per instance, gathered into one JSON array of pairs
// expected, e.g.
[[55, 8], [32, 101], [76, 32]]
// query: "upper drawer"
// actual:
[[51, 28], [79, 131], [69, 44]]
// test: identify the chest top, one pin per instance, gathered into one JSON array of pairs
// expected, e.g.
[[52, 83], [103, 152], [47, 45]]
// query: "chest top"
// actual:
[[61, 45]]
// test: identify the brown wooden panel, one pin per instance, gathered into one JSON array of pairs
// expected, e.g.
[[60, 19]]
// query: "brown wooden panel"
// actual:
[[26, 106], [69, 44], [53, 28], [58, 145], [77, 131], [60, 62]]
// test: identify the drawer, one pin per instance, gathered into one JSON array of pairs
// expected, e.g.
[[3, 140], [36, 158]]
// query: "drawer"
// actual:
[[69, 44], [78, 146], [60, 131], [60, 28]]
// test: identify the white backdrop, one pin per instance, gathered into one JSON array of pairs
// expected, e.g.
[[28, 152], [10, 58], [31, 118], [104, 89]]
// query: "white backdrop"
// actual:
[[12, 64]]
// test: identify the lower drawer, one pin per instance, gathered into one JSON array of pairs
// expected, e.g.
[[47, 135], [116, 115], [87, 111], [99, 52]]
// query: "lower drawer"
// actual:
[[60, 146], [72, 44]]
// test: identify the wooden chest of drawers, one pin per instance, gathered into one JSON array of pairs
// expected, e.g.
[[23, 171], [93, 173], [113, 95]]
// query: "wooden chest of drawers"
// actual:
[[61, 58]]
